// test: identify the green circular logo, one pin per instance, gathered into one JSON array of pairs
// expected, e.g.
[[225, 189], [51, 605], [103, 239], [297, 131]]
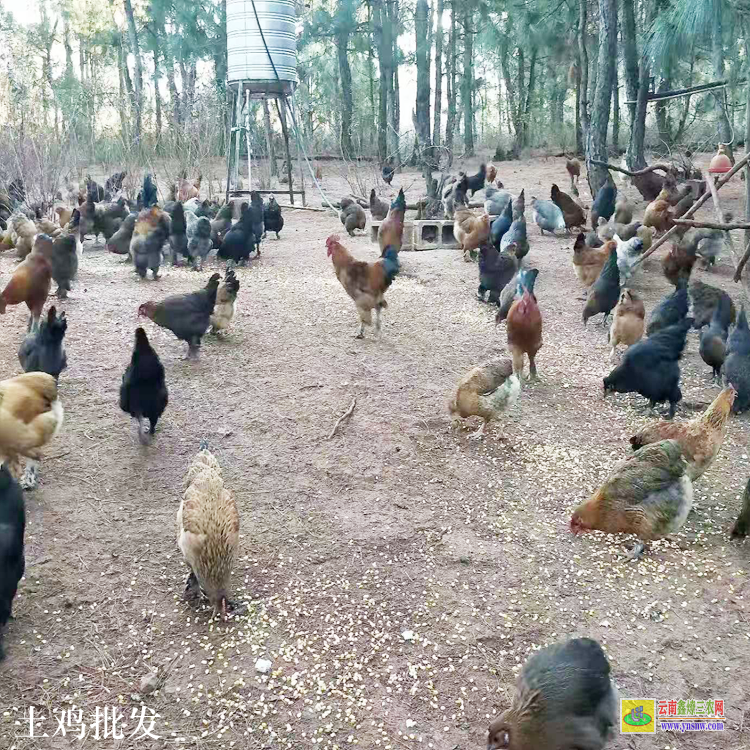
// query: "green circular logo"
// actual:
[[637, 719]]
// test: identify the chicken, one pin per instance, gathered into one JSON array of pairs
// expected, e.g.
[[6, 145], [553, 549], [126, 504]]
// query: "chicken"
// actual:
[[589, 261], [573, 214], [178, 241], [496, 200], [700, 439], [713, 339], [319, 172], [143, 392], [647, 236], [470, 230], [272, 218], [628, 254], [199, 244], [486, 391], [101, 218], [604, 203], [62, 254], [113, 183], [594, 240], [24, 232], [524, 325], [659, 215], [650, 367], [391, 231], [742, 524], [491, 174], [12, 560], [704, 300], [187, 189], [119, 242], [678, 264], [510, 294], [454, 195], [186, 315], [736, 368], [605, 291], [30, 416], [475, 182], [239, 241], [623, 211], [671, 310], [574, 170], [628, 231], [226, 302], [388, 170], [365, 283], [519, 205], [564, 700], [222, 224], [353, 217], [501, 225], [208, 531], [43, 350], [63, 214], [648, 494], [682, 206], [378, 208], [30, 283], [495, 271], [547, 215], [150, 233], [606, 230], [46, 226], [516, 234], [256, 209], [203, 208], [628, 321]]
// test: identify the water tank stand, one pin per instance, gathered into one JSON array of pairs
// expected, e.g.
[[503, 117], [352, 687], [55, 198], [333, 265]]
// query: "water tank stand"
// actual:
[[239, 127]]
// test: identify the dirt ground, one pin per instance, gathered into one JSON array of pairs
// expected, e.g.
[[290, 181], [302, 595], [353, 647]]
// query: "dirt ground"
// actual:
[[398, 523]]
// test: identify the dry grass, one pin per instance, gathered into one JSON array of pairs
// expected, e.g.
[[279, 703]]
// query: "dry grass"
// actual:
[[396, 523]]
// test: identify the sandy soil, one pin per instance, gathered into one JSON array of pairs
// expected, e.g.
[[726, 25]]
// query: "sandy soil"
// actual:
[[397, 523]]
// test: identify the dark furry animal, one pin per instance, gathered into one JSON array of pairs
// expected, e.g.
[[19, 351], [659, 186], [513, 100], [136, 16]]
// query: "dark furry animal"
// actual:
[[650, 367], [714, 337], [605, 291], [736, 368], [564, 700], [239, 241], [495, 271], [672, 309], [43, 350], [273, 221], [143, 393], [12, 561]]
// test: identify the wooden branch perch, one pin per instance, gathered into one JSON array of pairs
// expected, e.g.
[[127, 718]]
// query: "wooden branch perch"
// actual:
[[719, 183], [652, 168], [711, 224], [741, 265]]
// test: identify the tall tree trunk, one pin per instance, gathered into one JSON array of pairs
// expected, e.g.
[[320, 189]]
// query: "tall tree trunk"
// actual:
[[381, 35], [347, 99], [596, 146], [437, 112], [157, 93], [68, 48], [467, 81], [717, 58], [174, 96], [450, 80], [422, 106], [395, 94], [137, 96], [635, 157], [526, 123], [269, 139], [579, 130], [371, 75], [583, 66], [124, 80], [82, 59], [746, 28], [662, 112], [630, 53], [616, 114]]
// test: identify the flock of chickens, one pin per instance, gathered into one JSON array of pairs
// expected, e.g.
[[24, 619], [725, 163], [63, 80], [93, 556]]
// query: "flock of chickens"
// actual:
[[564, 691]]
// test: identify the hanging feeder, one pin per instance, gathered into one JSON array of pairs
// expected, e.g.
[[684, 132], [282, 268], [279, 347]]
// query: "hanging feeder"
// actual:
[[720, 164]]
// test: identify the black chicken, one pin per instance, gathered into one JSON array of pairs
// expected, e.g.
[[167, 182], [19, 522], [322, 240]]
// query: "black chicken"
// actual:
[[272, 218], [604, 203], [714, 337], [736, 368], [389, 169], [495, 271], [186, 315], [672, 309], [12, 561], [119, 242], [143, 393], [605, 291], [43, 350], [239, 241], [256, 210], [178, 241]]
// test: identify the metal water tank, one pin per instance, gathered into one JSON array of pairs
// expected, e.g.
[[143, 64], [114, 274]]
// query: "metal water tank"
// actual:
[[247, 59]]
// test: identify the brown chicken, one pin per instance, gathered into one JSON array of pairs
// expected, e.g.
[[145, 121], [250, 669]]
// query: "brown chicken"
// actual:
[[491, 174], [572, 213], [353, 217], [63, 214], [391, 231], [30, 416], [700, 439], [623, 212], [208, 531], [659, 215], [648, 494], [378, 208], [187, 189], [524, 325], [628, 321], [24, 231], [678, 263], [47, 226], [470, 230], [365, 283], [30, 283], [318, 172], [647, 237], [589, 261], [574, 170]]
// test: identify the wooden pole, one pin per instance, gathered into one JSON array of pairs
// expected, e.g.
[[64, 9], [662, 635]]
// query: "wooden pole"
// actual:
[[285, 131], [719, 183], [711, 224]]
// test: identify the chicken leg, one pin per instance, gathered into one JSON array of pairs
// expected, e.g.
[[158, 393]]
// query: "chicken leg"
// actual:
[[517, 356], [532, 368], [636, 552], [30, 476], [192, 587]]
